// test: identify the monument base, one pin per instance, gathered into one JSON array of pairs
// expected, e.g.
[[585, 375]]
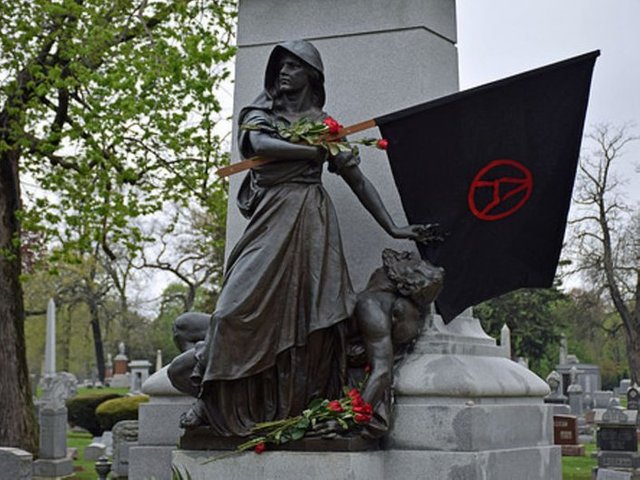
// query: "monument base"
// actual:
[[573, 450], [159, 430], [50, 469], [520, 463]]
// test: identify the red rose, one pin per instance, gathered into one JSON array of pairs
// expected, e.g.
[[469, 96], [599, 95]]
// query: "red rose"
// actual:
[[366, 409], [367, 368], [357, 401], [260, 447], [382, 144], [362, 418], [334, 126], [353, 393], [335, 406]]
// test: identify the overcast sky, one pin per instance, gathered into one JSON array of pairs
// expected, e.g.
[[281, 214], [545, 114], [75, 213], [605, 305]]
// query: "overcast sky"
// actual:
[[498, 38]]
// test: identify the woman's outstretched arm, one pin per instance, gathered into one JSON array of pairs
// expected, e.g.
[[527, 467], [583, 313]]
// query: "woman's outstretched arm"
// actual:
[[370, 199], [265, 145]]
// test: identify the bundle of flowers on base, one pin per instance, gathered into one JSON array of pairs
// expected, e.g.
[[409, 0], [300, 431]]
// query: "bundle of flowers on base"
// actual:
[[348, 412], [318, 133]]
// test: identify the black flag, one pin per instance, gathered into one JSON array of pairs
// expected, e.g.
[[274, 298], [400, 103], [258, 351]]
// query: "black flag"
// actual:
[[495, 167]]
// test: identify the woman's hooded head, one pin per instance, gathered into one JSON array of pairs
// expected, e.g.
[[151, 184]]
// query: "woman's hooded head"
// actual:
[[310, 58]]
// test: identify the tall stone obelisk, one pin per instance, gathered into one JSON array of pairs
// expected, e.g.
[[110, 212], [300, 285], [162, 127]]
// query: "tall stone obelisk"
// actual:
[[53, 459]]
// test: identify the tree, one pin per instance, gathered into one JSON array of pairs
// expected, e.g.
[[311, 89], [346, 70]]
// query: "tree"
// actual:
[[533, 317], [191, 247], [594, 334], [607, 234], [112, 107]]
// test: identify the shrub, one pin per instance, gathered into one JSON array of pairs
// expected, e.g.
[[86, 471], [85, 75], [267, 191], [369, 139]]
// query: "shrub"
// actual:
[[82, 410], [112, 411]]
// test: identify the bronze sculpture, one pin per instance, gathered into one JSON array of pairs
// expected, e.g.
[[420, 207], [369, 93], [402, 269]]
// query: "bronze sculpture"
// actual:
[[278, 336]]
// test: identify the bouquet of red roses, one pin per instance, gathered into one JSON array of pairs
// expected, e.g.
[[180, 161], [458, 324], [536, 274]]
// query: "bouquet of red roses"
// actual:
[[323, 133], [349, 411]]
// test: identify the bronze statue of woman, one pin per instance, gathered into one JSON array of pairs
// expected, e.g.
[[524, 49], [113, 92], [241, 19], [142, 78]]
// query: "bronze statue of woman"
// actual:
[[277, 337]]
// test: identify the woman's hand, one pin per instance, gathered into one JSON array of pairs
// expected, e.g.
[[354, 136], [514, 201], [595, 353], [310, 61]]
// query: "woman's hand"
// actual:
[[426, 234]]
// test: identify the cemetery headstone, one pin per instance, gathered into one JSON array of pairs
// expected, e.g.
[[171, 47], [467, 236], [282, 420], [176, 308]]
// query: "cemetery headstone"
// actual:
[[633, 397], [622, 388], [602, 398], [565, 434], [617, 439], [125, 435], [607, 474], [94, 451], [575, 393], [15, 464]]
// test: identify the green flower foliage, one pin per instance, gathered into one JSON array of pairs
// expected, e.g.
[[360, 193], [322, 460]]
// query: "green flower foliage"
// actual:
[[113, 107]]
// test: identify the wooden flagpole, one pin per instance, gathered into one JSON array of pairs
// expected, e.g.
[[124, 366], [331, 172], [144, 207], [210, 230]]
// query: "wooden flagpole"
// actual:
[[257, 161]]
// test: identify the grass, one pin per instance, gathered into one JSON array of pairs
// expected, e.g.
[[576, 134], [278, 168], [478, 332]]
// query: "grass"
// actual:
[[81, 390], [83, 469], [579, 468]]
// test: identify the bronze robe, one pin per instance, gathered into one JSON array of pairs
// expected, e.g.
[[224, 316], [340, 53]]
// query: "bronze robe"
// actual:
[[277, 337]]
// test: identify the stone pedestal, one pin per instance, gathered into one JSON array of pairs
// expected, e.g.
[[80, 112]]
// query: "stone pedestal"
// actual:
[[53, 432], [54, 460], [52, 469], [385, 465], [159, 430], [459, 398], [462, 410]]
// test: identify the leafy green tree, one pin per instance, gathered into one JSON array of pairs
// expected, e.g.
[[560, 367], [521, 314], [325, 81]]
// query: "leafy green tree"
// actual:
[[533, 316], [594, 335], [112, 107]]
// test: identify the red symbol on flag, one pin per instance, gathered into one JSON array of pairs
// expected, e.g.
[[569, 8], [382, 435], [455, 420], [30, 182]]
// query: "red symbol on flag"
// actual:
[[499, 189]]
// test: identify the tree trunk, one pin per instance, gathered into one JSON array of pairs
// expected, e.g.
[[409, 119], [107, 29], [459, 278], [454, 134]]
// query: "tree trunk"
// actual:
[[18, 426], [97, 340], [633, 354], [65, 340]]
